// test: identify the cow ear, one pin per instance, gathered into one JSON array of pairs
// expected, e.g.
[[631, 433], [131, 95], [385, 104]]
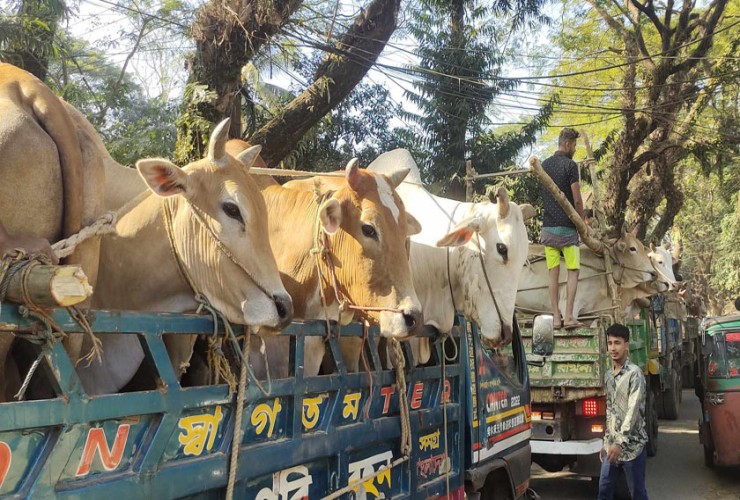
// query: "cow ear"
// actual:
[[527, 211], [249, 156], [412, 225], [352, 174], [652, 247], [164, 178], [462, 233], [330, 215], [621, 246]]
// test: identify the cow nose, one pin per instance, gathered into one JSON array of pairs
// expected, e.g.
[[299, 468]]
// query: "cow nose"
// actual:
[[284, 306], [413, 320], [506, 335], [653, 274]]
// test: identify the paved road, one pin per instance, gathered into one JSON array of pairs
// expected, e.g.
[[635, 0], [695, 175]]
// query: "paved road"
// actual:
[[677, 472]]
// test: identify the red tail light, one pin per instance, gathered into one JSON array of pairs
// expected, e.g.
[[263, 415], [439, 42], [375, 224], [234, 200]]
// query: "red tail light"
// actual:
[[590, 407]]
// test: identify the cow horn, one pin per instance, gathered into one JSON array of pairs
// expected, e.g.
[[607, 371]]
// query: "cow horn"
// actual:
[[352, 173], [217, 143], [503, 202], [397, 176]]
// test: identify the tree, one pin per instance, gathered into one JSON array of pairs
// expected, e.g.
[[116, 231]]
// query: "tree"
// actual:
[[461, 60], [660, 53], [27, 38]]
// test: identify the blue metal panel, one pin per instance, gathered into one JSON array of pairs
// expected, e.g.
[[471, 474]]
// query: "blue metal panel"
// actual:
[[310, 434]]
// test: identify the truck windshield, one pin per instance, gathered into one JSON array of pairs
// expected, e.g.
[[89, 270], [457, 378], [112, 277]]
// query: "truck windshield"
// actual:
[[724, 360]]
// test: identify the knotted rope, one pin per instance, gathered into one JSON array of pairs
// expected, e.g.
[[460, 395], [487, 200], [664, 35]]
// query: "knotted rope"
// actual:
[[237, 438], [105, 224]]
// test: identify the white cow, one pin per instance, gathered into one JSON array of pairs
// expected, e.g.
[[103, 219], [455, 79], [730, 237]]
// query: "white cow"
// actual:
[[441, 275], [631, 268]]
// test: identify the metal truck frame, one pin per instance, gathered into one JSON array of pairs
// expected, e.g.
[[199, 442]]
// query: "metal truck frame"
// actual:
[[330, 436]]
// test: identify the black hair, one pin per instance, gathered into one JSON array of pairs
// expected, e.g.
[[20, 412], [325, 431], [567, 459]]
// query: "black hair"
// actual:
[[618, 330], [588, 212], [568, 134]]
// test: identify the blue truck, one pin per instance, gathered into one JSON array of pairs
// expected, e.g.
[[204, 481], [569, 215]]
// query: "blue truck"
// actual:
[[331, 436]]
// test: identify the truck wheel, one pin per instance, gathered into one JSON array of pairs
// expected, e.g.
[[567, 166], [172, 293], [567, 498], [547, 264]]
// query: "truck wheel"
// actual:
[[688, 376], [651, 424], [709, 455], [670, 397]]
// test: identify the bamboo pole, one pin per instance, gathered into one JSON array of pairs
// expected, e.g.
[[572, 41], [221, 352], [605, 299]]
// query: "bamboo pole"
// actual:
[[596, 207], [591, 242], [49, 286]]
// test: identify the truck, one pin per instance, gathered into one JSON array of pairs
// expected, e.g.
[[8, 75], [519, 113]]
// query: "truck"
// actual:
[[677, 333], [569, 395], [458, 426]]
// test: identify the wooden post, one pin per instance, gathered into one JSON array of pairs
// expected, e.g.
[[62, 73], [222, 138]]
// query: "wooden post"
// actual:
[[594, 244], [50, 286], [469, 174]]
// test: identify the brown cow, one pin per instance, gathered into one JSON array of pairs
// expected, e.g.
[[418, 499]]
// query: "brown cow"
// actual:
[[367, 226]]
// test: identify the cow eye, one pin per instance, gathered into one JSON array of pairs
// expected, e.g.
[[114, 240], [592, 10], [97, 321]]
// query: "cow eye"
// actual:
[[232, 210], [633, 249], [501, 249], [369, 231]]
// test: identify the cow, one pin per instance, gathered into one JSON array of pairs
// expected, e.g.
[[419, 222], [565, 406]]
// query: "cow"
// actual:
[[631, 268], [461, 250], [202, 228], [366, 225], [52, 178]]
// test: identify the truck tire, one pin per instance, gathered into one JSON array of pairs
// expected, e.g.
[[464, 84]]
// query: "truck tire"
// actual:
[[688, 376], [651, 424], [670, 397], [708, 455]]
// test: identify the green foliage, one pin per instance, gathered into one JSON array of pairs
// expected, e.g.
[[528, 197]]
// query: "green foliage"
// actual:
[[192, 127], [459, 63]]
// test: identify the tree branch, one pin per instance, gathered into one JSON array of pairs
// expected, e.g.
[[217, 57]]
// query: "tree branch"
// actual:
[[341, 70]]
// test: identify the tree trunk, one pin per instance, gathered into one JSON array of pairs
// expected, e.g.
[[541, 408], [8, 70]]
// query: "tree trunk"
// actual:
[[341, 70], [227, 35]]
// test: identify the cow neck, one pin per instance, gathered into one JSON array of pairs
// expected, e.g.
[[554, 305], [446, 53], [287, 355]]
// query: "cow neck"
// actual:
[[483, 266], [322, 250], [199, 216]]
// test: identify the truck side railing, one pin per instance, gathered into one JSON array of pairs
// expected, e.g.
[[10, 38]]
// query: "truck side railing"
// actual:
[[309, 436]]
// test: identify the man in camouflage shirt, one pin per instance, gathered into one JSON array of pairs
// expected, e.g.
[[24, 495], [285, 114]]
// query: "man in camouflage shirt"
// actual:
[[625, 437]]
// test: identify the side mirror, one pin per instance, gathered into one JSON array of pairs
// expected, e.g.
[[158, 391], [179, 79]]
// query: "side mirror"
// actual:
[[543, 335], [706, 346]]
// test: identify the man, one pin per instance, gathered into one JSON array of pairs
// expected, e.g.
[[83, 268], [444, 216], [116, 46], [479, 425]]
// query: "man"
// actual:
[[559, 234], [625, 437]]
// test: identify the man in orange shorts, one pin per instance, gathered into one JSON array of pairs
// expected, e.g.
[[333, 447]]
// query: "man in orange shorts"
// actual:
[[559, 234]]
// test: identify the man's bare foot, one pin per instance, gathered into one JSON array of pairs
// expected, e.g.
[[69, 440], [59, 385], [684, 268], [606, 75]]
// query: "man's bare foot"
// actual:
[[572, 323], [557, 321]]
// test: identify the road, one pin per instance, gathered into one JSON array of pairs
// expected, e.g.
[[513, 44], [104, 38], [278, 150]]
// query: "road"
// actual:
[[677, 472]]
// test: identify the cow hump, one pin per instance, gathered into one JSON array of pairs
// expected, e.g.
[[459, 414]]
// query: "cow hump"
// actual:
[[395, 160]]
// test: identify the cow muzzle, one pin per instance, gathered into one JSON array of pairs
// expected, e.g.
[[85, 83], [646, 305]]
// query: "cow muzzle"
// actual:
[[401, 324], [284, 307]]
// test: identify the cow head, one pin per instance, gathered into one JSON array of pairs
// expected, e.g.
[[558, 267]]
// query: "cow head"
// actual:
[[631, 261], [500, 229], [662, 261], [219, 231], [368, 227]]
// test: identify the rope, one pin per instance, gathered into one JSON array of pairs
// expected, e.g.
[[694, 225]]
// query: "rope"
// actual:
[[444, 408], [397, 352], [236, 441], [356, 484], [105, 224]]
